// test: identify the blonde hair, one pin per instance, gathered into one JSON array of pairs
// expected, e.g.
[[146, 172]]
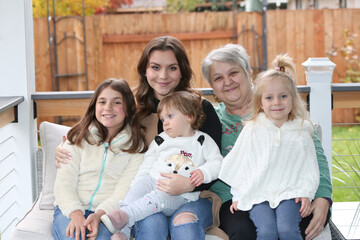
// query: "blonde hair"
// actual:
[[284, 70]]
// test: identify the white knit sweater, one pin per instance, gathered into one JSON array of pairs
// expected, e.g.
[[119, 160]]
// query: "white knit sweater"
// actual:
[[272, 164], [200, 148], [96, 177]]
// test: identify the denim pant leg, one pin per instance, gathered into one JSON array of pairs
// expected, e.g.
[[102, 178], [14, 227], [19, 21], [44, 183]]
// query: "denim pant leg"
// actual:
[[264, 218], [288, 220], [193, 230], [154, 227], [61, 222]]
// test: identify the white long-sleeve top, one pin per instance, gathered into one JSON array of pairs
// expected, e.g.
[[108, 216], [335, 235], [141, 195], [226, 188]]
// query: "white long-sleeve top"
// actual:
[[200, 148], [272, 164], [97, 177]]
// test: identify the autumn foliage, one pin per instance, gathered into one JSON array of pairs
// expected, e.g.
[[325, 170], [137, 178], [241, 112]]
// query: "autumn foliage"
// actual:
[[74, 7]]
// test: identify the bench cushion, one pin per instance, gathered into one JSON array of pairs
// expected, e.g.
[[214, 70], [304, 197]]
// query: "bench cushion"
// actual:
[[36, 224]]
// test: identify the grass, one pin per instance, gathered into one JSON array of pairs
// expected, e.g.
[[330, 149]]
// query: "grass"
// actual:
[[346, 163]]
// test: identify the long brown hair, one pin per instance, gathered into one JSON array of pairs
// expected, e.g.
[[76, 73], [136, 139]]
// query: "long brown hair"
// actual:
[[187, 103], [81, 130], [145, 96]]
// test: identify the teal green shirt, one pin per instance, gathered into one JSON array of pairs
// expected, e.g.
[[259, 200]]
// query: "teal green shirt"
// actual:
[[231, 126]]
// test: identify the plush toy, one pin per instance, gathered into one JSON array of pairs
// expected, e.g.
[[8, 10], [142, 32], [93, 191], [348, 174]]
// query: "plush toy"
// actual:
[[179, 164]]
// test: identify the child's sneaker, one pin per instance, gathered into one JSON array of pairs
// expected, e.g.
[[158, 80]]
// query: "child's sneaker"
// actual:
[[115, 220]]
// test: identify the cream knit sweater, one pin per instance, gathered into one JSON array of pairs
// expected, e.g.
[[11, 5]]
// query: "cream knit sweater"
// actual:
[[97, 177], [272, 164]]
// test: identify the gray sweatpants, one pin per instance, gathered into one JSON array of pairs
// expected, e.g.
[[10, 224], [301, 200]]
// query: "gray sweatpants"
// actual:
[[143, 200]]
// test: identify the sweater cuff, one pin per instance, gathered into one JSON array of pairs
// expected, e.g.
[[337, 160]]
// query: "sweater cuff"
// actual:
[[329, 200]]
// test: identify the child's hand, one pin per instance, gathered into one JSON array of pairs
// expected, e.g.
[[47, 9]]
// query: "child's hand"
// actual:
[[305, 206], [233, 207], [75, 228], [197, 177]]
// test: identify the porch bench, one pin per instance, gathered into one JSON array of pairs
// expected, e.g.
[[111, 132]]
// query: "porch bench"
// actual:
[[37, 223]]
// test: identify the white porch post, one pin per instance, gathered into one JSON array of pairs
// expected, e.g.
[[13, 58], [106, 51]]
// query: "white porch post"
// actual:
[[318, 76], [18, 140]]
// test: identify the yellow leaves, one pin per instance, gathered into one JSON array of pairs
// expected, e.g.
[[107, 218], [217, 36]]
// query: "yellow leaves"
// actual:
[[68, 7]]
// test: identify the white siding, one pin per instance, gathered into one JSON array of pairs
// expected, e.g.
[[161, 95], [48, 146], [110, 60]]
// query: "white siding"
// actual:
[[17, 140]]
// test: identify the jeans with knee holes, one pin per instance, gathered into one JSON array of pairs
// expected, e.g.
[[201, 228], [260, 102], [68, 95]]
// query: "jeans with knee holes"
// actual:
[[158, 226]]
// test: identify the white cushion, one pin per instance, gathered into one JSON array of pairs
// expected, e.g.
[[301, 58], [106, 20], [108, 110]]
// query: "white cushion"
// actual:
[[50, 137], [325, 234], [37, 224]]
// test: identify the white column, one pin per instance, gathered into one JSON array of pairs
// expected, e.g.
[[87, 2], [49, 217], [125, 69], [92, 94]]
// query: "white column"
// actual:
[[17, 78], [319, 73]]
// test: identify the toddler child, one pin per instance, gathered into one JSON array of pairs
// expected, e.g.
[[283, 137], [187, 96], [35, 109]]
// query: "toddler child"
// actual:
[[272, 168], [182, 149]]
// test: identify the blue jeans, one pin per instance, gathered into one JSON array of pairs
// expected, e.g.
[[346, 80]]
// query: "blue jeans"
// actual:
[[281, 222], [157, 226], [61, 222]]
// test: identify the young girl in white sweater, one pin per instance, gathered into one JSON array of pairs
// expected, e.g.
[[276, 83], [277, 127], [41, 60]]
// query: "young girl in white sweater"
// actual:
[[272, 168], [181, 149], [105, 147]]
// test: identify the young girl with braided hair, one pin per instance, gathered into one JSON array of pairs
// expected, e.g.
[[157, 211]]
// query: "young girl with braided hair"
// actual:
[[272, 168]]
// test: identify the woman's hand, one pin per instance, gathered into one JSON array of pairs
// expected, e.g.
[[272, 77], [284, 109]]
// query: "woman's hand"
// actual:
[[319, 209], [92, 224], [174, 184], [233, 207], [305, 209], [61, 154], [76, 227]]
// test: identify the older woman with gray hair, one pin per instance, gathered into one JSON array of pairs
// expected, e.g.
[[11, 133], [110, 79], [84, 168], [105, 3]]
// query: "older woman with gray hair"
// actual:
[[228, 71]]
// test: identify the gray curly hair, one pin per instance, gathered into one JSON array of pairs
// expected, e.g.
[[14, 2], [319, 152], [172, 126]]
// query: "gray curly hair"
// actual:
[[230, 53]]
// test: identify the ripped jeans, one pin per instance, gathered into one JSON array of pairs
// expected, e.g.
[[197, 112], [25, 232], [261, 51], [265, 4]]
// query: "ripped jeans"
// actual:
[[188, 223]]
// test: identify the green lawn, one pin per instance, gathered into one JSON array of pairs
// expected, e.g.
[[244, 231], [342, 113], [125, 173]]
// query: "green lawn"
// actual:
[[346, 169]]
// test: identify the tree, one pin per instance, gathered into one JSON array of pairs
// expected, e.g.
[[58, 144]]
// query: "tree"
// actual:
[[174, 6], [69, 7]]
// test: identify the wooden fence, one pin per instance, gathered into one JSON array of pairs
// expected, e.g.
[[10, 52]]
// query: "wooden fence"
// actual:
[[114, 42]]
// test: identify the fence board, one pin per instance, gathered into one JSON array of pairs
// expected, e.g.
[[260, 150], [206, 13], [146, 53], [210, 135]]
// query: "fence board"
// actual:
[[94, 51], [290, 35], [319, 33], [185, 36], [42, 59], [301, 33], [249, 34]]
